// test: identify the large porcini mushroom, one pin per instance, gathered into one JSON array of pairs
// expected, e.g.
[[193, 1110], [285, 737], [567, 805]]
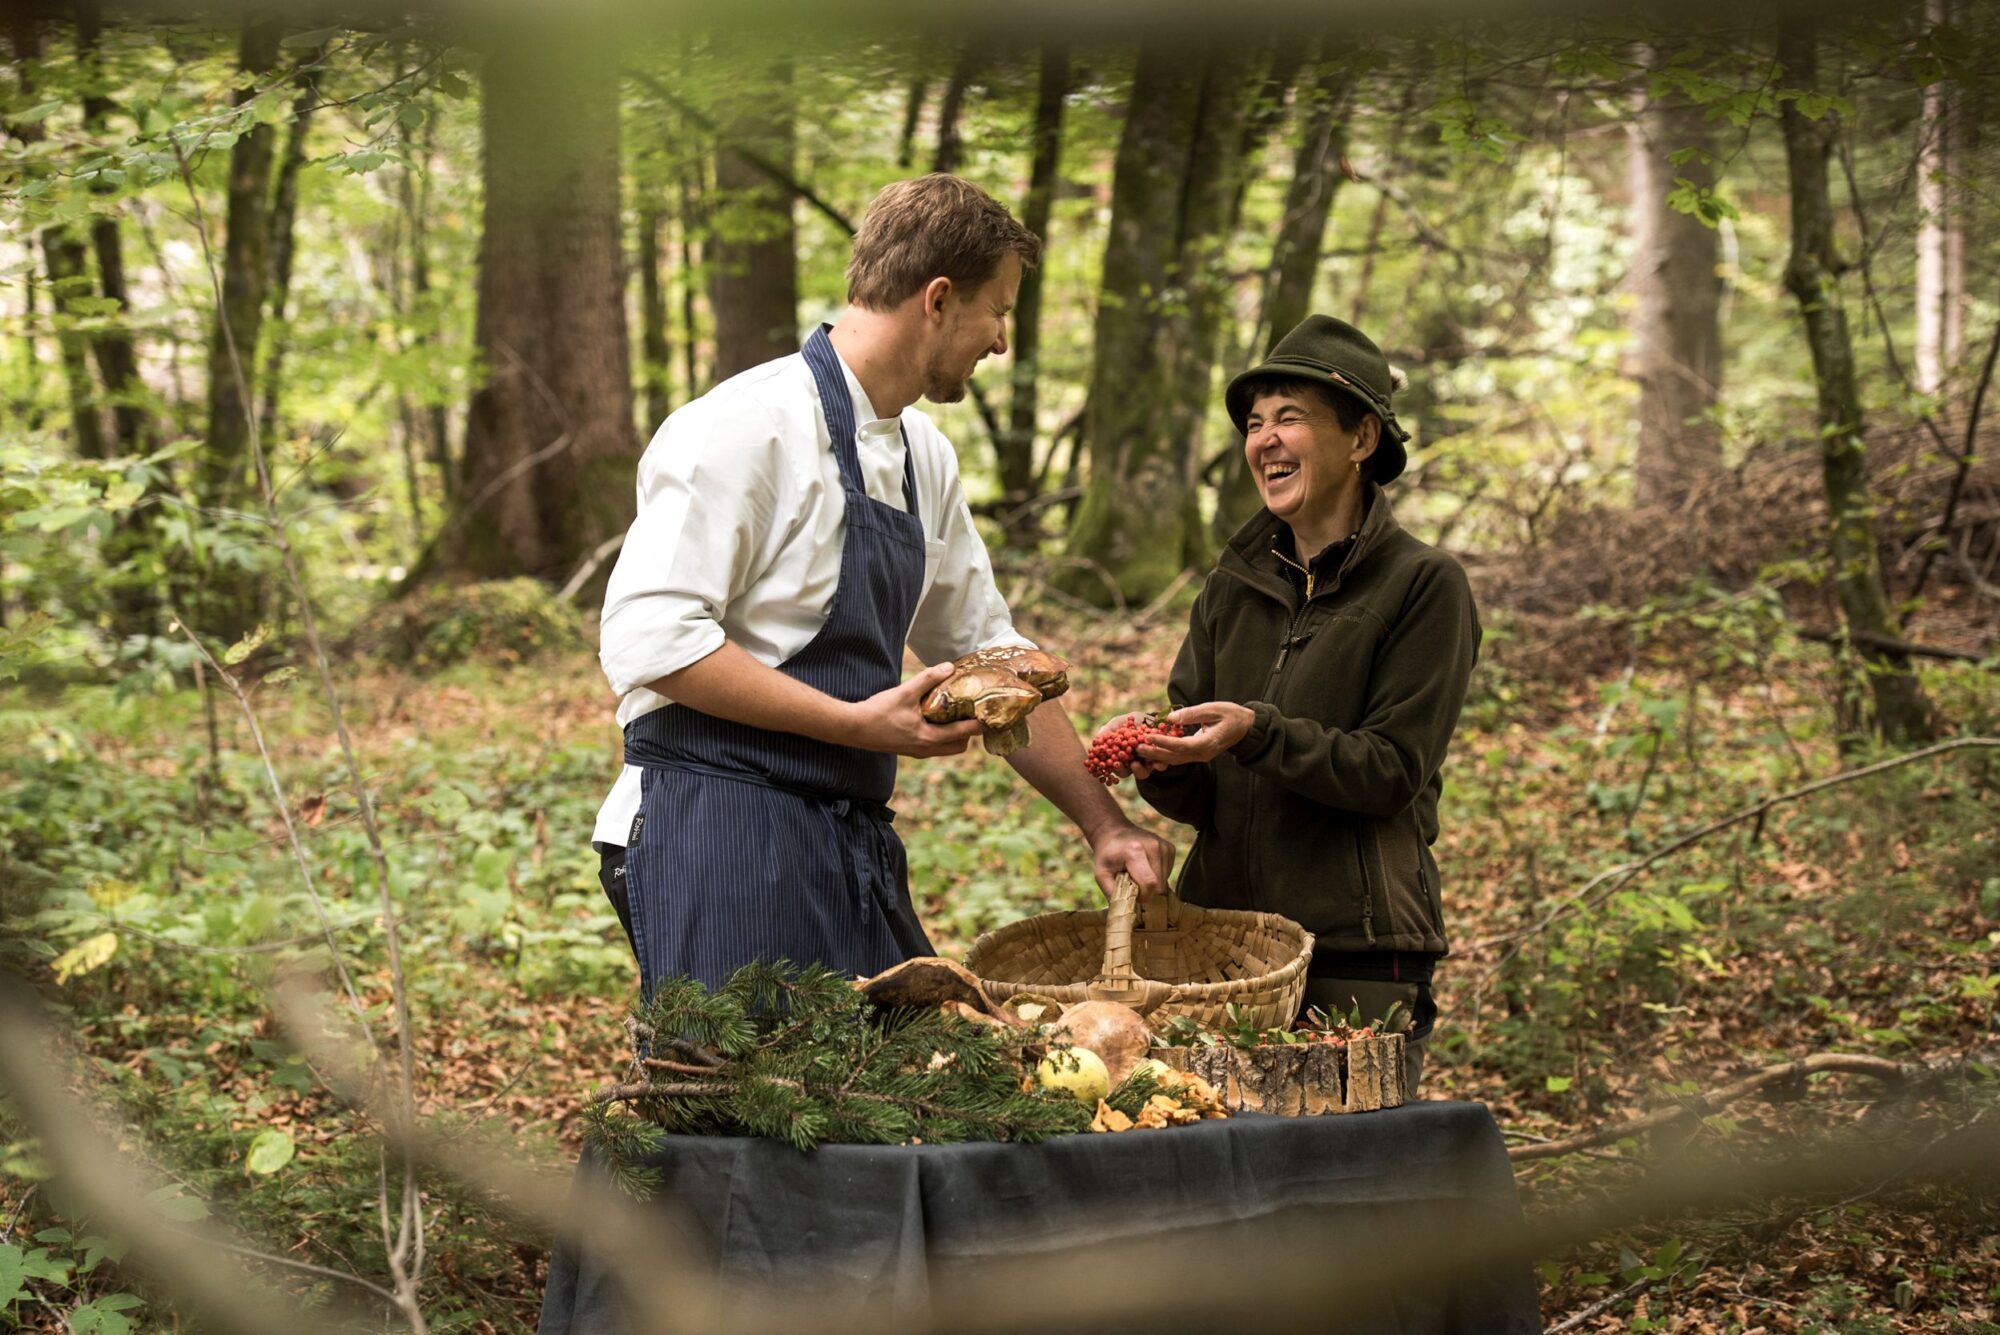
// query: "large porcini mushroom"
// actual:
[[1000, 687]]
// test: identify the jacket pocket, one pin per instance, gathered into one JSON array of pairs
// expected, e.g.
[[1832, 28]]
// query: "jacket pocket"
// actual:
[[1400, 883]]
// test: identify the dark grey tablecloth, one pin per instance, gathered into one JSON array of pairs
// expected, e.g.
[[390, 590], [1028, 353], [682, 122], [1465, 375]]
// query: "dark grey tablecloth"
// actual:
[[857, 1224]]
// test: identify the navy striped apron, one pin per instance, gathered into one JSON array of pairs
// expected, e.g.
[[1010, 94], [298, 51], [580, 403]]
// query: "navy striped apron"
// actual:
[[754, 844]]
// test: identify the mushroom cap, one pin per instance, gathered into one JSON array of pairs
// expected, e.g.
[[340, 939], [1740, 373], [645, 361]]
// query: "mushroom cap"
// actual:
[[1038, 667]]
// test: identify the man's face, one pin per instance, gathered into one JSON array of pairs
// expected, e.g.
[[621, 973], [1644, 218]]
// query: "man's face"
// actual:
[[973, 324]]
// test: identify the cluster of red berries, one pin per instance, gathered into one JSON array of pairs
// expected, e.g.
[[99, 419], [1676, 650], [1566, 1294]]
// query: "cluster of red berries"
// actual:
[[1112, 751]]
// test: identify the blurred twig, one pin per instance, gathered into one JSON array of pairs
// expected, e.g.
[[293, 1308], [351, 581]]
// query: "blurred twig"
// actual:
[[1701, 1105], [1590, 894], [403, 1243]]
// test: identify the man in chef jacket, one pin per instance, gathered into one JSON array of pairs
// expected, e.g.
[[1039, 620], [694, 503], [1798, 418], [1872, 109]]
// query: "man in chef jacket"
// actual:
[[798, 525]]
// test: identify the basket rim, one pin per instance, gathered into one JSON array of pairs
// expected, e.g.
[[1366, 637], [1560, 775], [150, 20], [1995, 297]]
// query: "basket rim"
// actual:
[[1285, 974]]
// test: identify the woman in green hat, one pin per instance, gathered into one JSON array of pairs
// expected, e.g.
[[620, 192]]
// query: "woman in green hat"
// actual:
[[1322, 675]]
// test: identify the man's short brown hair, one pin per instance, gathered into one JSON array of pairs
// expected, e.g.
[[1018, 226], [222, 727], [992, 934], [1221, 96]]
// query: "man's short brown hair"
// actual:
[[936, 226]]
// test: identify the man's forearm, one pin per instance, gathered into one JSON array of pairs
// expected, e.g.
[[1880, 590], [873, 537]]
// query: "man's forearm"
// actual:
[[731, 684], [1053, 764]]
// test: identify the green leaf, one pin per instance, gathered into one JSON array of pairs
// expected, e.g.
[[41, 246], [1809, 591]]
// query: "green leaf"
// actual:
[[270, 1151], [53, 518], [13, 1273], [40, 111], [1558, 1083], [176, 1204], [316, 37]]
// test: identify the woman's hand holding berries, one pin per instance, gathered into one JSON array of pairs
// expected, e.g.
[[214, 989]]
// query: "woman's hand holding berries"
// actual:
[[1115, 751]]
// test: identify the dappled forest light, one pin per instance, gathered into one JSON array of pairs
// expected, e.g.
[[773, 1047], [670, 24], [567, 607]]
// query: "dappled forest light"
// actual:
[[330, 347]]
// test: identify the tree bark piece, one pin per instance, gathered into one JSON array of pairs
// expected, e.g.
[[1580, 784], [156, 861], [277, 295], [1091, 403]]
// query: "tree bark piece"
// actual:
[[1902, 711]]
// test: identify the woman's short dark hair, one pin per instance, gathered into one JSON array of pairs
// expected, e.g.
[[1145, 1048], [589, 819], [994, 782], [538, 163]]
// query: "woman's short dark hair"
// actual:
[[1347, 409]]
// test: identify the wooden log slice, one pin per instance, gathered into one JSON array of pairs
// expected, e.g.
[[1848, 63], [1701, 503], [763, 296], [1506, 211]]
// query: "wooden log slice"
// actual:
[[1283, 1079], [1374, 1073]]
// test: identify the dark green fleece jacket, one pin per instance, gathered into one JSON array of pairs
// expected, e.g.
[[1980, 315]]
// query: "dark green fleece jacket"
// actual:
[[1326, 811]]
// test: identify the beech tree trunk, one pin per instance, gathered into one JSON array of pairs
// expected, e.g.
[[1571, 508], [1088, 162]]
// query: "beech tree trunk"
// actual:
[[1940, 299], [753, 257], [1157, 324], [1295, 256], [549, 443], [1902, 712], [1016, 446], [1676, 313]]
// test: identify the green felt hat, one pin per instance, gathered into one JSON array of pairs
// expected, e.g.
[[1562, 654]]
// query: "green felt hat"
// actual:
[[1333, 353]]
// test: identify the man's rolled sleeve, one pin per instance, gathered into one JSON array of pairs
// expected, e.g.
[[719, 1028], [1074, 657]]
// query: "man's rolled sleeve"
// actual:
[[706, 527]]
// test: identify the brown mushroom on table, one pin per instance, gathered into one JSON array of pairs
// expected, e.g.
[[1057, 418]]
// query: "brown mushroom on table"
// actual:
[[1000, 687]]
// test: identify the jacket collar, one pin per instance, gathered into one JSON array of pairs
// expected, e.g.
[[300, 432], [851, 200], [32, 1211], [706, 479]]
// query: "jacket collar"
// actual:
[[1248, 554]]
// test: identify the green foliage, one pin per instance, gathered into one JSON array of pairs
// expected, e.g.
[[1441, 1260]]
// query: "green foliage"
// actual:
[[500, 621], [798, 1055]]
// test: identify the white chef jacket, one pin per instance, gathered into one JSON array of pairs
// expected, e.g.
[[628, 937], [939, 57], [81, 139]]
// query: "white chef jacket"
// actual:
[[738, 536]]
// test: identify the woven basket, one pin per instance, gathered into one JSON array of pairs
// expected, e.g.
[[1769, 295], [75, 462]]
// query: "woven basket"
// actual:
[[1163, 958]]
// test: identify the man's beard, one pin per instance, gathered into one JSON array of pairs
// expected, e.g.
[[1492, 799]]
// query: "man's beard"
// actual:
[[941, 385]]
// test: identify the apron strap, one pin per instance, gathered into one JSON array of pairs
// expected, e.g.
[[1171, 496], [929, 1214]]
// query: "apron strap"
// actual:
[[838, 405]]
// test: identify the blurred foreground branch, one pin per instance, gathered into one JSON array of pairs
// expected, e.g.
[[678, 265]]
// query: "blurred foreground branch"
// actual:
[[1784, 1073]]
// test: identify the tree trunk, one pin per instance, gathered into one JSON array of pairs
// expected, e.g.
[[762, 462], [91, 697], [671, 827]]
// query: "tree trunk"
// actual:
[[1940, 230], [1017, 445], [951, 107], [117, 359], [1902, 712], [753, 256], [549, 444], [1157, 323], [67, 263], [1295, 254], [913, 114], [68, 269], [284, 214], [690, 226], [416, 208], [1676, 312], [246, 259], [657, 362], [132, 555]]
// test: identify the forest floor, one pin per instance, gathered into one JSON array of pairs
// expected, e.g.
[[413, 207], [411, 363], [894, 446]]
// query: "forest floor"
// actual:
[[1865, 919]]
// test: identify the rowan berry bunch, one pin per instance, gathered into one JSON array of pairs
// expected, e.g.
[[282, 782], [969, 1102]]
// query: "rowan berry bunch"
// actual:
[[1113, 748]]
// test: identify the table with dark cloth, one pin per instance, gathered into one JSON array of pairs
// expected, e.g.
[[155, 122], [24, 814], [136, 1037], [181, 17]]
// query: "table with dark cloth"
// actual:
[[889, 1225]]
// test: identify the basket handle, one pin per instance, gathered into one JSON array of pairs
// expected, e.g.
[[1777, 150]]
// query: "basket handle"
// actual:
[[1118, 981]]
